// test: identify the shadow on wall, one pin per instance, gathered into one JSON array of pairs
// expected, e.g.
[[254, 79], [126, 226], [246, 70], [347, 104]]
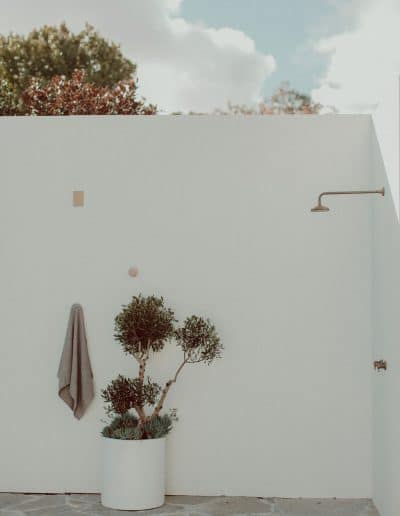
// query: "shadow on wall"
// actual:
[[386, 343]]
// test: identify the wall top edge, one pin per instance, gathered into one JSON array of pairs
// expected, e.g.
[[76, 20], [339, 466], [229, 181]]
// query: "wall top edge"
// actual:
[[151, 118]]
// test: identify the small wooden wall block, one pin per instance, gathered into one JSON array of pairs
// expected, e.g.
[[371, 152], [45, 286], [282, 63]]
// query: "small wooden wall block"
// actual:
[[78, 197]]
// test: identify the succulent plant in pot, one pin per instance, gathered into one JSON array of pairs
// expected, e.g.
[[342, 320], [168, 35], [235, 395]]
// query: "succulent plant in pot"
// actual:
[[134, 439]]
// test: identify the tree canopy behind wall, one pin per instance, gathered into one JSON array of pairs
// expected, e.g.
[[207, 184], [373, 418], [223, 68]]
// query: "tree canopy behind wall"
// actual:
[[76, 96], [52, 50], [284, 101], [36, 60]]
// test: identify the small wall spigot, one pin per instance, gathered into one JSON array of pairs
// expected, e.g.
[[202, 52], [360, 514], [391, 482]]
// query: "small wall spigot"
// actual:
[[380, 364]]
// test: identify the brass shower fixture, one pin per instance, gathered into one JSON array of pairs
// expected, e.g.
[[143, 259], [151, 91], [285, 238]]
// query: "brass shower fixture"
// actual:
[[380, 364], [320, 207]]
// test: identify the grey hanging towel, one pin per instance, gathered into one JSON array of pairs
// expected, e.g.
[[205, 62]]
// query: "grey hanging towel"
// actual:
[[75, 375]]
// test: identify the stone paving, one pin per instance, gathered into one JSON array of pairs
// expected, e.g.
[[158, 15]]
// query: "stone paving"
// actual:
[[12, 504]]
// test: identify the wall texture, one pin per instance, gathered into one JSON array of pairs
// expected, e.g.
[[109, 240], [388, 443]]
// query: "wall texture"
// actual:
[[215, 214]]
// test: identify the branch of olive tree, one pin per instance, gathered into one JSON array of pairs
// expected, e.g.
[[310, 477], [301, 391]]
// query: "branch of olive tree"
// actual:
[[166, 388]]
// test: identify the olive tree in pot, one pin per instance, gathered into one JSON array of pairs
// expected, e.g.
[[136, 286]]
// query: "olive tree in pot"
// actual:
[[134, 439]]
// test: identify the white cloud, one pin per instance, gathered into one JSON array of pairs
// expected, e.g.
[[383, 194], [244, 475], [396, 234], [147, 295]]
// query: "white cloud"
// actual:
[[173, 5], [361, 61], [226, 37], [181, 66]]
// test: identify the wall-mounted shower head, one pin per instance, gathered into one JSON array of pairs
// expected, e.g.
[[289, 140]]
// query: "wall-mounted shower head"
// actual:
[[320, 207]]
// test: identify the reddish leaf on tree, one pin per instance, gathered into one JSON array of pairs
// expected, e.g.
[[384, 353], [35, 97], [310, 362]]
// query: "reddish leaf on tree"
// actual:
[[75, 96]]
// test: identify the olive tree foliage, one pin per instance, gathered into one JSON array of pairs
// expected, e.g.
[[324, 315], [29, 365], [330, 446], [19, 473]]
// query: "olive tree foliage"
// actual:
[[123, 394], [198, 340], [144, 325], [55, 51], [143, 328]]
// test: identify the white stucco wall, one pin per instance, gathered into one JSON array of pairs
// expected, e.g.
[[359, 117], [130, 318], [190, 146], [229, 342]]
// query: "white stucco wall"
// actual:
[[387, 133], [386, 309], [215, 213]]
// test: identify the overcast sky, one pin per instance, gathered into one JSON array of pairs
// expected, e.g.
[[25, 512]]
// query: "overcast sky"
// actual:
[[200, 54]]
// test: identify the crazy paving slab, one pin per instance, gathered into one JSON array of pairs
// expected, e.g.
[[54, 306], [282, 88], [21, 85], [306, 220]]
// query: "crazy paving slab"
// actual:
[[12, 504]]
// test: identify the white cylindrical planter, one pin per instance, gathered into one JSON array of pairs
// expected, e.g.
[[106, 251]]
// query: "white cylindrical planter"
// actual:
[[133, 474]]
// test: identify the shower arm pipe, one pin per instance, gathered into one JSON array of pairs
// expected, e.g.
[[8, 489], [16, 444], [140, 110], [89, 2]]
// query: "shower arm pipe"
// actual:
[[381, 191]]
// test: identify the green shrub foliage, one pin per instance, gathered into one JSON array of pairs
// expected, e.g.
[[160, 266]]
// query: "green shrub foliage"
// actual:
[[55, 51], [143, 328]]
